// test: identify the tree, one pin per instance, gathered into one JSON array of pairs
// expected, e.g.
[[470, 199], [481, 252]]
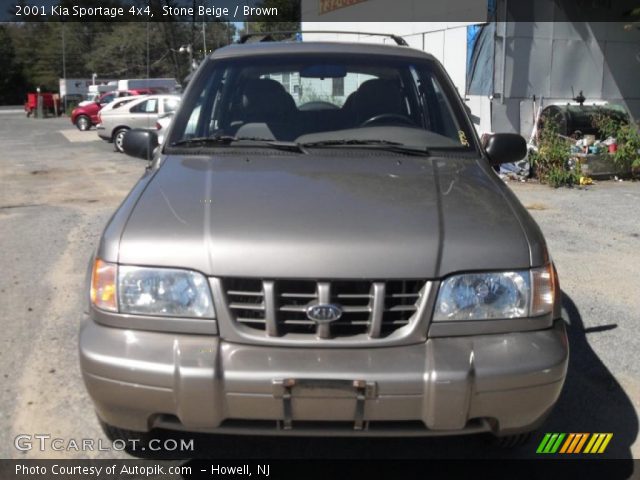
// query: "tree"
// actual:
[[288, 16], [12, 84], [39, 53], [116, 58]]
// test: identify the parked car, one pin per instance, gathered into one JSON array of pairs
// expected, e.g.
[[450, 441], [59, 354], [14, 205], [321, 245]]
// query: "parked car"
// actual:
[[86, 116], [162, 125], [359, 270], [117, 103], [143, 112], [89, 98]]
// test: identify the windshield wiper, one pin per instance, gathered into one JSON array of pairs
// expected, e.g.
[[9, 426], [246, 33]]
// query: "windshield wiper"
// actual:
[[229, 139], [215, 140], [350, 141], [377, 144]]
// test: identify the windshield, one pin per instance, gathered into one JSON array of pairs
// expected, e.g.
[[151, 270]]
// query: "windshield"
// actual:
[[328, 100]]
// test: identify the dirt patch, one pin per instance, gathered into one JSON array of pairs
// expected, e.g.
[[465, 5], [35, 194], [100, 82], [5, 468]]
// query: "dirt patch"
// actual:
[[84, 185], [9, 207], [536, 206]]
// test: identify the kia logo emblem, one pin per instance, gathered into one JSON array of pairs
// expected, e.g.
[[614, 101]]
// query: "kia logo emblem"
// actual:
[[324, 313]]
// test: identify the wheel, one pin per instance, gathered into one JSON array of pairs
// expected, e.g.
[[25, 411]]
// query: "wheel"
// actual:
[[386, 118], [118, 138], [83, 123]]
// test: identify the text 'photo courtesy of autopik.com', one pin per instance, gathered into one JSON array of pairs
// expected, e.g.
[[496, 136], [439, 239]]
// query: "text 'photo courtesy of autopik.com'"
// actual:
[[319, 239]]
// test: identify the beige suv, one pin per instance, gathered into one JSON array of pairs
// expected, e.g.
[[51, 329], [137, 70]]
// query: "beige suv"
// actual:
[[321, 246]]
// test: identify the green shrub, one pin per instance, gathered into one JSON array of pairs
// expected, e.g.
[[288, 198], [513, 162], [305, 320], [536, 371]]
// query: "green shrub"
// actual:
[[627, 138], [607, 124], [626, 156], [551, 162], [558, 177]]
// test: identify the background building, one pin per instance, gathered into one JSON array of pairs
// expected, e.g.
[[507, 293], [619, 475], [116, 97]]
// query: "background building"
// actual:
[[505, 69]]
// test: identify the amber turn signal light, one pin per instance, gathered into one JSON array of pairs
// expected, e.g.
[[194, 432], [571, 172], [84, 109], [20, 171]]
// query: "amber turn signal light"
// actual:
[[103, 285]]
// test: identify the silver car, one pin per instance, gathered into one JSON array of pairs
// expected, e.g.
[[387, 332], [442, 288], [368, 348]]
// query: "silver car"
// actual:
[[289, 268], [141, 112]]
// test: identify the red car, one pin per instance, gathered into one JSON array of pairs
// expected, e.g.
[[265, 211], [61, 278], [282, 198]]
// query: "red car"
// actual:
[[87, 116]]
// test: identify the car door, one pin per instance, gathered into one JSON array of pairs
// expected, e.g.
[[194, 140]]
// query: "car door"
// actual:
[[144, 114]]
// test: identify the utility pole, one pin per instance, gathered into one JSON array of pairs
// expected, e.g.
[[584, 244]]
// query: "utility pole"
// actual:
[[204, 39], [64, 69], [193, 34], [148, 50]]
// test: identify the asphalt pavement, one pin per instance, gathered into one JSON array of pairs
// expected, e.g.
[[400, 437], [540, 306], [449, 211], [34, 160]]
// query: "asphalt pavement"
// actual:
[[59, 186]]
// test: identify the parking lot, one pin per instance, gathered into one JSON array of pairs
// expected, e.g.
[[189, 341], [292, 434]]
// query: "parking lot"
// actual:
[[58, 187]]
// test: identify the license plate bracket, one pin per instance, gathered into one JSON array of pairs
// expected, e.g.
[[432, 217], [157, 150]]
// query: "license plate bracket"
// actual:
[[361, 389]]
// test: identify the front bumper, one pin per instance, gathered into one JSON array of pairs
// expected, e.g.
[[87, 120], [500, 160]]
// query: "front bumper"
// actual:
[[504, 383], [102, 132]]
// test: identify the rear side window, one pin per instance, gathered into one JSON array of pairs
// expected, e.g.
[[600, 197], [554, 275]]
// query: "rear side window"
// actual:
[[148, 106]]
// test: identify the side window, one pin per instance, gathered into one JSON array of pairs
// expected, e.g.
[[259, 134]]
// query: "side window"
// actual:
[[148, 106], [107, 99]]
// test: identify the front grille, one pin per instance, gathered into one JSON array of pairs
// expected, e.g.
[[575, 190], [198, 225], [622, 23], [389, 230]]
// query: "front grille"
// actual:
[[279, 307]]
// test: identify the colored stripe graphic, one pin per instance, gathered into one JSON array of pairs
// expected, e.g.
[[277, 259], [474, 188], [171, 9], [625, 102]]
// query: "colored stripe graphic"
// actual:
[[577, 438], [605, 443], [598, 443], [594, 437], [573, 443], [550, 443], [567, 443], [543, 443], [581, 442], [556, 445]]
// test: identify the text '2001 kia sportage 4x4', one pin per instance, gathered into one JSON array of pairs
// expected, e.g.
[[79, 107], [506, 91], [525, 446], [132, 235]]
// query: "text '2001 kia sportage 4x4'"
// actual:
[[321, 247]]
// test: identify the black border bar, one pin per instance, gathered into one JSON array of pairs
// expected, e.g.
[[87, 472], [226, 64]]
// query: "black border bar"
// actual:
[[324, 469]]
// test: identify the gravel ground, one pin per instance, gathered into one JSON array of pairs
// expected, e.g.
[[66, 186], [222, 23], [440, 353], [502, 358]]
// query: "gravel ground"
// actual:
[[593, 234], [58, 188]]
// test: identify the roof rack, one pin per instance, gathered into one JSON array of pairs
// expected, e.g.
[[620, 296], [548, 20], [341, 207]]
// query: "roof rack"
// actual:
[[268, 36]]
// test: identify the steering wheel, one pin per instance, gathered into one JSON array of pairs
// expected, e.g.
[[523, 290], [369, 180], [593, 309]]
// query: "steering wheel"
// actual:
[[383, 117]]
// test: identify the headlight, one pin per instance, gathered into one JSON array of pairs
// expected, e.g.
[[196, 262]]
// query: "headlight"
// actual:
[[482, 296], [164, 291]]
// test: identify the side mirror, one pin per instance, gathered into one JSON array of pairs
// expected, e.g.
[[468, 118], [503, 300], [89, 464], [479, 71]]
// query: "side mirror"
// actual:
[[140, 143], [504, 148]]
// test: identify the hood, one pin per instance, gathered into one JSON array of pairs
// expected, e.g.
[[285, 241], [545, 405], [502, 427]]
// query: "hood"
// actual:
[[372, 215]]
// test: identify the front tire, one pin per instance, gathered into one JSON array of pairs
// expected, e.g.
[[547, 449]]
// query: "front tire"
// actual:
[[83, 123], [118, 138]]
